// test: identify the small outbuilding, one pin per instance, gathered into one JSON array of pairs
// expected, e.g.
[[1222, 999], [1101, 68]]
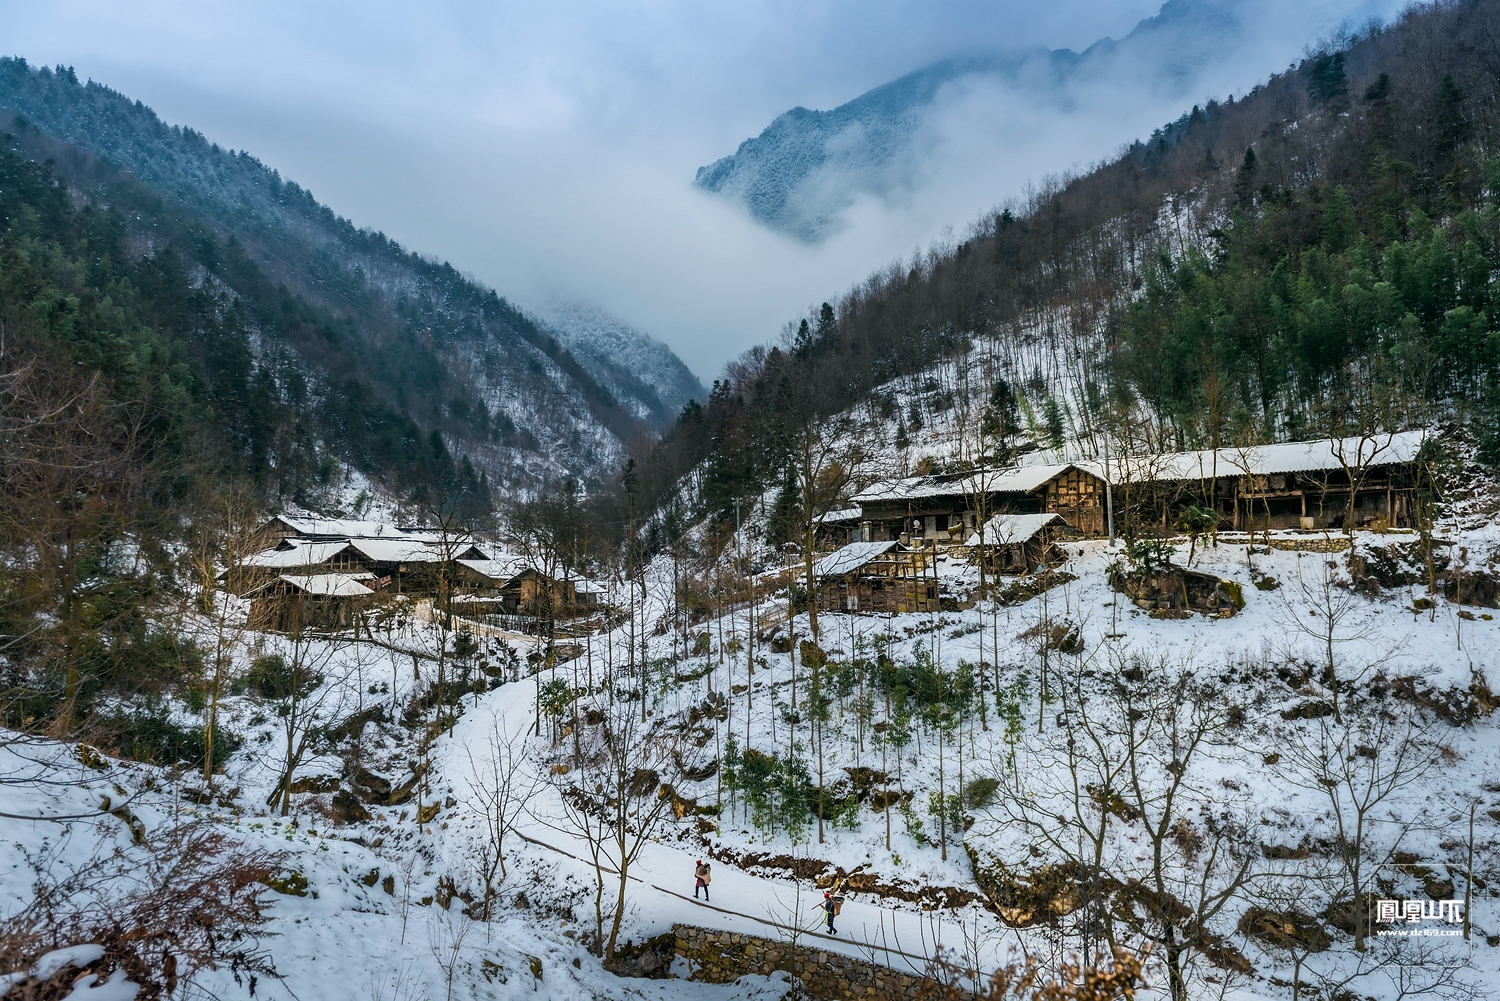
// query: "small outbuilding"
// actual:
[[326, 602], [877, 577], [1017, 543]]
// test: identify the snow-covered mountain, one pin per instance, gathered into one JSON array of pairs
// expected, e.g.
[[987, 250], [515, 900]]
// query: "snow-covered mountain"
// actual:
[[343, 315], [804, 172], [638, 370]]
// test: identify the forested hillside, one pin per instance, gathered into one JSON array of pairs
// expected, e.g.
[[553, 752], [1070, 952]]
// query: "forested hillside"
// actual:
[[367, 354], [638, 370], [1315, 257], [186, 342]]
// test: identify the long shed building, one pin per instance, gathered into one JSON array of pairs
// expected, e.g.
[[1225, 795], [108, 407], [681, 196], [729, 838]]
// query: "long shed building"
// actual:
[[1309, 485]]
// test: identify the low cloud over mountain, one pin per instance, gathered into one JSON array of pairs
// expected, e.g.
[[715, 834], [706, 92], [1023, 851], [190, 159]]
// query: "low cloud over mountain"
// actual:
[[931, 131]]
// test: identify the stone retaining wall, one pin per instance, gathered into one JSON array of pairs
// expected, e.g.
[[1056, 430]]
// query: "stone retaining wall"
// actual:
[[719, 957]]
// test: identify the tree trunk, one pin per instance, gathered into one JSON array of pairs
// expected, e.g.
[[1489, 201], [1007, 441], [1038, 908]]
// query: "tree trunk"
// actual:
[[1174, 967], [942, 801], [619, 915]]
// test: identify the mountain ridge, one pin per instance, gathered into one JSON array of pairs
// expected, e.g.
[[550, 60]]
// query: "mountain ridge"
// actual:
[[635, 367], [469, 360], [800, 174]]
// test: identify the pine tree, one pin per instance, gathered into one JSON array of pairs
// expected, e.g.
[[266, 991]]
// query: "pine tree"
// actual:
[[1052, 413], [1325, 77], [1244, 180], [827, 327]]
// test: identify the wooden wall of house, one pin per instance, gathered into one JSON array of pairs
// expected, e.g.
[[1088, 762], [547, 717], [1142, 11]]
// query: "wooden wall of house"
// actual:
[[1283, 501], [1079, 497], [292, 612], [877, 594], [1018, 557]]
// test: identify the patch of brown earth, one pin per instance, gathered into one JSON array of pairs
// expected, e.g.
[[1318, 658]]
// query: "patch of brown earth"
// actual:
[[827, 876]]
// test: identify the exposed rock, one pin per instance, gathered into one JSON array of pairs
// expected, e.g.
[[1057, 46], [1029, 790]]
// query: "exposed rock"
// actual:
[[1030, 586], [1456, 706], [651, 959], [366, 784], [1481, 590], [347, 808], [1285, 929], [1178, 590], [1023, 899]]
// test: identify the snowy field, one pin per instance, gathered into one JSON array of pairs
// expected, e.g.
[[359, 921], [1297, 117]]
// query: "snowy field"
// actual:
[[369, 920]]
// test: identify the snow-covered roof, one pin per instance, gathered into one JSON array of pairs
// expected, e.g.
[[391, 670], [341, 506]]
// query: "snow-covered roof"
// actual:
[[298, 554], [1008, 529], [1012, 480], [501, 570], [1325, 454], [340, 527], [1322, 455], [842, 514], [331, 585], [851, 557], [396, 550]]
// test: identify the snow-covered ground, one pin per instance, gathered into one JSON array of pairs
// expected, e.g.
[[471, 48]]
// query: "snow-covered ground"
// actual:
[[371, 923]]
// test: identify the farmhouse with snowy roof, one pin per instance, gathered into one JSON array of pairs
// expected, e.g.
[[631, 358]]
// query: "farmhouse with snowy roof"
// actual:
[[1017, 543], [324, 602], [877, 577], [1368, 479]]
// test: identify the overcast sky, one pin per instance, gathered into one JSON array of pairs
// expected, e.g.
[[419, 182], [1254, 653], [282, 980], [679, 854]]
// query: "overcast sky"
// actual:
[[549, 148]]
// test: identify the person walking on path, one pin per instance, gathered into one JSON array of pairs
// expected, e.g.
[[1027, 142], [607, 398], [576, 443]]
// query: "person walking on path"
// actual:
[[702, 875], [830, 908]]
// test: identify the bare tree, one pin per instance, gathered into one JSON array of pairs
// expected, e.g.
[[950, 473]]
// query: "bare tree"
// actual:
[[409, 865], [502, 786], [164, 914], [295, 682], [1068, 799], [1121, 803], [402, 983], [225, 533], [1282, 924], [1330, 619], [1199, 859], [71, 466], [789, 917], [447, 931], [1363, 413], [614, 783], [1358, 765]]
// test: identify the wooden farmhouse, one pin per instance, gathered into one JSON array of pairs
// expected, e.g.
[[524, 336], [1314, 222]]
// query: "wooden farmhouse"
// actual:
[[291, 556], [416, 563], [838, 528], [1294, 485], [1017, 543], [1304, 485], [286, 526], [947, 508], [511, 586], [877, 577], [327, 602], [415, 567], [320, 573]]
